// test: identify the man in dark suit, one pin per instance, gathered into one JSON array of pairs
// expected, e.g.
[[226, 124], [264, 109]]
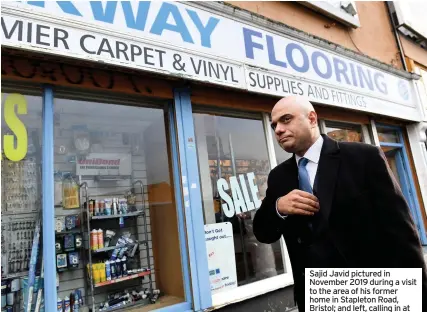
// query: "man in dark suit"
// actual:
[[337, 205]]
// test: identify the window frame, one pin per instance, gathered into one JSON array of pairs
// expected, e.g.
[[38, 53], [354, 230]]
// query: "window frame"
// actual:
[[250, 290]]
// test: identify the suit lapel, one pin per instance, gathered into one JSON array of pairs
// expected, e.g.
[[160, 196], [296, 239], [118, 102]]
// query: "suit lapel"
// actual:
[[326, 176], [290, 174]]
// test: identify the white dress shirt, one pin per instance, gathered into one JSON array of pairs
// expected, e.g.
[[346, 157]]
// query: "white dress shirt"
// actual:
[[313, 156]]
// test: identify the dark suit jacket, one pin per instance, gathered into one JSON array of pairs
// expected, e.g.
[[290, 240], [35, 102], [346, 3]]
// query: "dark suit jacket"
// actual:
[[361, 203]]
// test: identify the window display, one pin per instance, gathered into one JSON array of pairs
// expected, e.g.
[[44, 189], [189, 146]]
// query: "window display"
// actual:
[[234, 166], [113, 185], [21, 132]]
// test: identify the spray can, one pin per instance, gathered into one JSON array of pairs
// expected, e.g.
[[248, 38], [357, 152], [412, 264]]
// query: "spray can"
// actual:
[[76, 303], [91, 208], [114, 207], [124, 266], [59, 305], [119, 268], [96, 208], [94, 239], [67, 306], [108, 270], [100, 239], [113, 270]]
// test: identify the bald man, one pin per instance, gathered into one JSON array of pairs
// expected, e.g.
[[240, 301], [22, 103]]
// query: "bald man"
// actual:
[[337, 205]]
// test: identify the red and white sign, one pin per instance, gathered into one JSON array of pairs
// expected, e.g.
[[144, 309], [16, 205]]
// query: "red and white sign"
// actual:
[[105, 164]]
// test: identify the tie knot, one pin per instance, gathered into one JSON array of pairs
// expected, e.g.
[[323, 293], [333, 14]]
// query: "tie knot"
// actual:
[[302, 162]]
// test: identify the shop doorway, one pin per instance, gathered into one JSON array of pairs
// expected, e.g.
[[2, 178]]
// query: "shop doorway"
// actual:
[[392, 144]]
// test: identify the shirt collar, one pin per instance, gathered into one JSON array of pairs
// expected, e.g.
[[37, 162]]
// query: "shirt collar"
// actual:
[[313, 153]]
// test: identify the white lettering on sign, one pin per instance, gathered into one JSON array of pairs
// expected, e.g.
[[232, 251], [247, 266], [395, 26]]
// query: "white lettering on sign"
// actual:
[[239, 201]]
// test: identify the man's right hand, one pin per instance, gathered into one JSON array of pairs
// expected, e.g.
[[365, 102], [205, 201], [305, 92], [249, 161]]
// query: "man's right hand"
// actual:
[[298, 202]]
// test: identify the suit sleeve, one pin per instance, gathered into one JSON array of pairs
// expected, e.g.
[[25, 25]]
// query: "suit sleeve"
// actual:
[[399, 236], [267, 224]]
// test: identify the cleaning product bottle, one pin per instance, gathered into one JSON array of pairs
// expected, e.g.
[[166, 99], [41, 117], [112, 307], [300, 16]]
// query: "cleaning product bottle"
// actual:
[[102, 272], [100, 239], [108, 270], [94, 239]]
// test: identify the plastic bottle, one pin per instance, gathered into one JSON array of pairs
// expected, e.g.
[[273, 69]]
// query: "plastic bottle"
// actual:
[[102, 272], [100, 239], [94, 239], [107, 270]]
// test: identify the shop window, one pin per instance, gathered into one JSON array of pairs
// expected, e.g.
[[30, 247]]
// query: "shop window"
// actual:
[[388, 135], [343, 132], [234, 167], [21, 159], [113, 160]]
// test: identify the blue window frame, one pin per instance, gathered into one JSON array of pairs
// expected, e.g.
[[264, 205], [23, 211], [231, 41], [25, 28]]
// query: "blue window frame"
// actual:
[[190, 223], [395, 151]]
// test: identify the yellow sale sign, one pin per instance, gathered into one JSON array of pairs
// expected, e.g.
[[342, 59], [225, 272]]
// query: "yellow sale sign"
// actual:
[[15, 145]]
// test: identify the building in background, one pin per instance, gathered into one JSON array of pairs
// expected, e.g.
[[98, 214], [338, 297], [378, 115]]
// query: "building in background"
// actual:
[[148, 125], [411, 34]]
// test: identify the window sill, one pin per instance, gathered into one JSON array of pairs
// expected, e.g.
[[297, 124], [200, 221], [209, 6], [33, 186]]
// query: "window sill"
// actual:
[[252, 290]]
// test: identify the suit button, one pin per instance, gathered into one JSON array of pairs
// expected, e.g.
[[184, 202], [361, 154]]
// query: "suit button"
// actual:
[[299, 240]]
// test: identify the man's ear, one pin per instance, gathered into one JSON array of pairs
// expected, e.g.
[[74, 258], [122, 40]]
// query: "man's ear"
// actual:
[[312, 116]]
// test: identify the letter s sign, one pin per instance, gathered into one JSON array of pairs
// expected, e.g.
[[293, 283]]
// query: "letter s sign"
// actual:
[[18, 152]]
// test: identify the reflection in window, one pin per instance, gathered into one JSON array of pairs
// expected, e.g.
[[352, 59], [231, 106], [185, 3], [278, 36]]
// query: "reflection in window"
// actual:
[[21, 169], [344, 132], [388, 135], [234, 151]]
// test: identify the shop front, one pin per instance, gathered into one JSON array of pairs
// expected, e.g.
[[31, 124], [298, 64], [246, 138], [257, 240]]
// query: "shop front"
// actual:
[[138, 135]]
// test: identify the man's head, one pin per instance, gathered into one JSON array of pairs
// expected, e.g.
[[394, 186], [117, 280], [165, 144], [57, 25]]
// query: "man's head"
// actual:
[[294, 122]]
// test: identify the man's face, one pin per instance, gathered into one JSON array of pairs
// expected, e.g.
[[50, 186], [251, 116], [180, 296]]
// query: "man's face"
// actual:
[[292, 127]]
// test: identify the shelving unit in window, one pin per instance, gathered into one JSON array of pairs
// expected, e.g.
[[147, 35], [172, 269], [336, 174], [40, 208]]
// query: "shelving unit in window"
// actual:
[[113, 249]]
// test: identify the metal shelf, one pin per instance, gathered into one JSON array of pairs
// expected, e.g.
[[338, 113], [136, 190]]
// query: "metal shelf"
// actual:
[[130, 214], [122, 279], [73, 231], [141, 302], [105, 249]]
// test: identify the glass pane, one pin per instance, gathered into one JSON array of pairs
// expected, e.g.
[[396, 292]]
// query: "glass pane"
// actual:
[[121, 153], [344, 132], [21, 187], [388, 135], [391, 155], [232, 156]]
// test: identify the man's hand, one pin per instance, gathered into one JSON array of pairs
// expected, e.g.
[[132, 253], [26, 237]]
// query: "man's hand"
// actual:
[[298, 202]]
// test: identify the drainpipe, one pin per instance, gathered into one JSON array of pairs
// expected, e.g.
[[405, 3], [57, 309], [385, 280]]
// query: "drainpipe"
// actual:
[[396, 34]]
